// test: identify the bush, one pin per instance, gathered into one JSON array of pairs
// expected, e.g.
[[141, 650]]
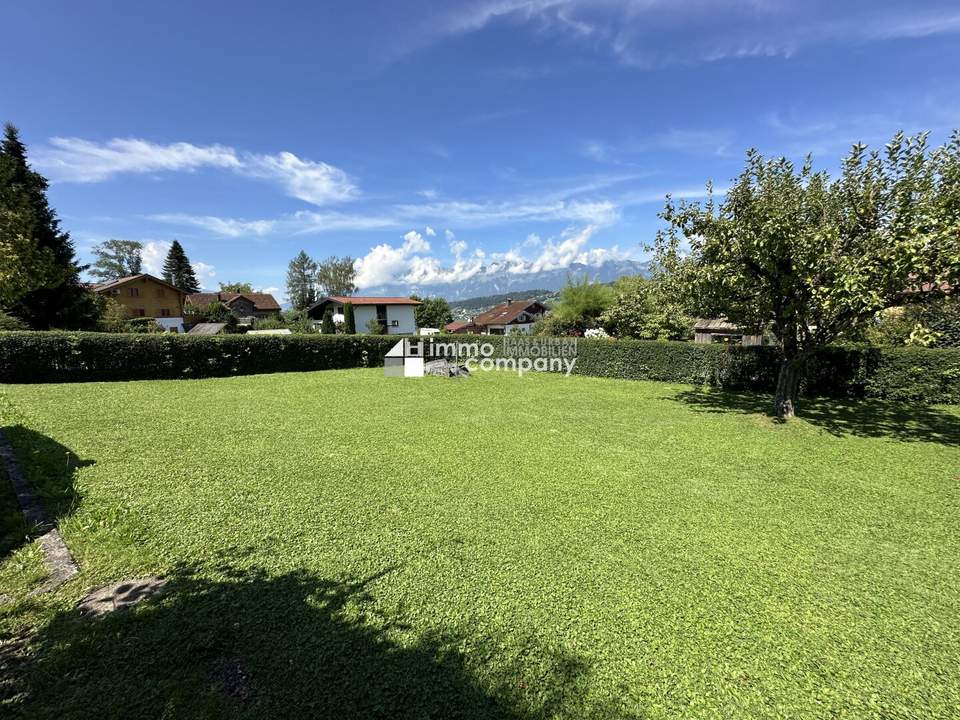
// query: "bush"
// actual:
[[9, 322], [906, 374], [375, 327]]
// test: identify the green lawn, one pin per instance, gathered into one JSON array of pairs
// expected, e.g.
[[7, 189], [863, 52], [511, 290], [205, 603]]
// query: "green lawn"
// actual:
[[339, 544]]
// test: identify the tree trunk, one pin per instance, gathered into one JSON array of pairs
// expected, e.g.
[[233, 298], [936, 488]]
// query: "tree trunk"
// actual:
[[788, 384]]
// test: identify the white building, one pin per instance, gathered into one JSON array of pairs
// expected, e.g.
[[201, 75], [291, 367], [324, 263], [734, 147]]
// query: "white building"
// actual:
[[394, 314]]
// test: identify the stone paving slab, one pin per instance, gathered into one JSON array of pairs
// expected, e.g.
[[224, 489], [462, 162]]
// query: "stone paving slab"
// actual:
[[120, 595], [56, 554]]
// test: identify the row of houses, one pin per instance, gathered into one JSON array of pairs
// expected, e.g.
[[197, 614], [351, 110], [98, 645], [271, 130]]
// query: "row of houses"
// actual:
[[146, 296]]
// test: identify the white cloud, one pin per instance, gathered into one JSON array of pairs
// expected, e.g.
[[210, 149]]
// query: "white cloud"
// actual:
[[560, 254], [314, 182], [457, 247], [414, 242], [408, 263], [384, 262], [205, 274], [77, 160], [153, 254], [430, 231], [269, 290], [449, 235]]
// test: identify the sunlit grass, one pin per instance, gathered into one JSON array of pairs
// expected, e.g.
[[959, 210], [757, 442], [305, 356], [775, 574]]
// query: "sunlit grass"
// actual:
[[491, 547]]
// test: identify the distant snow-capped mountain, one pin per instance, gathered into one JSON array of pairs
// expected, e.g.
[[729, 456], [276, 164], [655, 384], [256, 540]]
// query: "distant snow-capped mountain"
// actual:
[[502, 281]]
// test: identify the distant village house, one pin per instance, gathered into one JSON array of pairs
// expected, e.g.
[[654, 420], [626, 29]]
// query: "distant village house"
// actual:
[[242, 305], [146, 296], [513, 316], [394, 314]]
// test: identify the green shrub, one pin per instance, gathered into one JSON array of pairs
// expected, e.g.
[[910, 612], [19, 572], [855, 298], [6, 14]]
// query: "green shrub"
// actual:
[[904, 374], [9, 322]]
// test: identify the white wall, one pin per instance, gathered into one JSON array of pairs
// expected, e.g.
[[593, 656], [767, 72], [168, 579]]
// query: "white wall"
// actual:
[[406, 320], [403, 314], [521, 328], [170, 323]]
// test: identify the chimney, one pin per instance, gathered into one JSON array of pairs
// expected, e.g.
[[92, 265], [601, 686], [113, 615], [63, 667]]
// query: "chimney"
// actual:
[[509, 300]]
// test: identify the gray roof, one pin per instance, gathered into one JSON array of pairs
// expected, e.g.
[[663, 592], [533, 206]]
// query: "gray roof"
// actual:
[[715, 325], [206, 328]]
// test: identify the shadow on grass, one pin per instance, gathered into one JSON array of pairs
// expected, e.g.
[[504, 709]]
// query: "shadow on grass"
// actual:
[[862, 418], [50, 468], [222, 642]]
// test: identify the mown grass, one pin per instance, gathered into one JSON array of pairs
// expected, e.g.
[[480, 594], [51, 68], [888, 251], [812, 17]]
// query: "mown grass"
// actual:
[[340, 544]]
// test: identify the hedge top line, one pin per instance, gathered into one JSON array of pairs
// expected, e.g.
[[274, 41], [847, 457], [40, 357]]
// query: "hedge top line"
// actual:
[[912, 374]]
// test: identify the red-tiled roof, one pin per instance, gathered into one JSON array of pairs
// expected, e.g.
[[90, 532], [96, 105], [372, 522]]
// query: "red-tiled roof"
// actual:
[[458, 326], [261, 301], [506, 312], [360, 300]]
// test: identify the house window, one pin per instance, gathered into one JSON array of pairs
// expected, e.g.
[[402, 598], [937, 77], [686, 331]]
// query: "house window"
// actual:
[[164, 312], [134, 292], [140, 312], [394, 323]]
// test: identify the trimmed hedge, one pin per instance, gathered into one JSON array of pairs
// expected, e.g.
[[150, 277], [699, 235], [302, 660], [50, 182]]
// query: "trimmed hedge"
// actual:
[[31, 357], [907, 374]]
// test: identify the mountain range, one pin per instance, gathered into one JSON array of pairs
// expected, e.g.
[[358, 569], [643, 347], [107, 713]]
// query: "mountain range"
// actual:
[[504, 281]]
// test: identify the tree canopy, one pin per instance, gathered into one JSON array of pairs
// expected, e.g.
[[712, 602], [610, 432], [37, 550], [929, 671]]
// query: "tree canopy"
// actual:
[[236, 287], [642, 310], [811, 257], [302, 281], [335, 276], [116, 259], [582, 302], [432, 312]]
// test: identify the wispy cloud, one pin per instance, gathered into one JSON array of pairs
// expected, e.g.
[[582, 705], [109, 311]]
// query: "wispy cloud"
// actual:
[[691, 141], [465, 213], [661, 32], [492, 116], [84, 161], [75, 160], [226, 227]]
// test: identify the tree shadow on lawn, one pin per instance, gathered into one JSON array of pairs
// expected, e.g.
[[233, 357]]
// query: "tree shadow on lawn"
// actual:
[[49, 468], [222, 642], [861, 418]]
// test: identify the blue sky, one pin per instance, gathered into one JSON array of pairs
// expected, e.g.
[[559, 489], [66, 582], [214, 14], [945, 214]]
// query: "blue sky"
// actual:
[[432, 139]]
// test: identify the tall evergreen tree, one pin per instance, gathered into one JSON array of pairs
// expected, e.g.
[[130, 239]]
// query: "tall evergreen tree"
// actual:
[[178, 271], [349, 319], [301, 281], [326, 325], [28, 215], [117, 259]]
